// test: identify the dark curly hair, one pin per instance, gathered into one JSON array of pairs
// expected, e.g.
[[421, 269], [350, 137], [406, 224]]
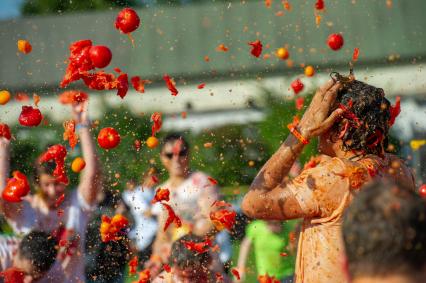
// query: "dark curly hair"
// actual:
[[366, 120]]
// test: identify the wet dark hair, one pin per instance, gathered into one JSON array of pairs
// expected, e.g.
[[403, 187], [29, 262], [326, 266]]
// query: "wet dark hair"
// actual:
[[43, 168], [366, 121], [384, 231], [40, 249], [172, 137], [184, 258]]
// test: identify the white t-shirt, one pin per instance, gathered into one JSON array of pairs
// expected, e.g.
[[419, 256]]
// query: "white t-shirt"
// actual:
[[189, 203], [8, 245], [145, 229], [75, 216]]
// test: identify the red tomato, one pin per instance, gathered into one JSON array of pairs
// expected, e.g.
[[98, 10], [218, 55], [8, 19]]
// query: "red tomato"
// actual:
[[422, 191], [13, 275], [108, 138], [5, 131], [297, 86], [335, 41], [16, 187], [30, 116], [127, 20], [100, 56]]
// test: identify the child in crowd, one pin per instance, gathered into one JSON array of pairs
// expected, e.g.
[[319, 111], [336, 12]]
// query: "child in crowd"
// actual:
[[274, 249], [26, 259]]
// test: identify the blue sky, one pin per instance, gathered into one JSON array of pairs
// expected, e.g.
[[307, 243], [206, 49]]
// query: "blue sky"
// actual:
[[9, 9]]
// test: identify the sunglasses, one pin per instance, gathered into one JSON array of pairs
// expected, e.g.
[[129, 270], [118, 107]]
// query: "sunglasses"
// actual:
[[182, 153]]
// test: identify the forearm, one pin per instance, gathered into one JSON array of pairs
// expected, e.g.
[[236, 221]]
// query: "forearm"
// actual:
[[4, 164], [244, 252], [279, 165], [90, 180]]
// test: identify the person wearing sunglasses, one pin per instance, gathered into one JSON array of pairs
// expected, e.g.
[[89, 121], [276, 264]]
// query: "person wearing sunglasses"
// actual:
[[191, 197]]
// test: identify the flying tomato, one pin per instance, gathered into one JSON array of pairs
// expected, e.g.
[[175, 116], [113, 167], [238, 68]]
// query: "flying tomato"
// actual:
[[30, 117], [108, 138], [100, 56], [335, 41], [16, 188]]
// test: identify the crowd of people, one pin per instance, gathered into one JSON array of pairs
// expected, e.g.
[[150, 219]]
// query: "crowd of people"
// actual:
[[352, 214]]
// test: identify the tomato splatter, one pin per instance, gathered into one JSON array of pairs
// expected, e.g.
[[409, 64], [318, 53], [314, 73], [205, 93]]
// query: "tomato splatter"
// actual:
[[212, 181], [267, 279], [5, 131], [161, 195], [223, 219], [201, 86], [111, 227], [422, 191], [170, 85], [319, 5], [139, 84], [157, 123], [256, 49], [57, 153], [16, 187], [13, 275], [394, 111], [355, 54], [201, 247], [172, 218], [69, 133], [167, 268], [60, 200], [299, 103], [297, 86], [73, 97], [144, 276], [133, 265], [222, 47], [236, 273]]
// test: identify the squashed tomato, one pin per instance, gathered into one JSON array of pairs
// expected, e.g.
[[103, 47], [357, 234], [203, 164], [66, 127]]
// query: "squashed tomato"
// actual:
[[127, 20], [100, 56], [161, 195], [16, 187], [13, 275], [5, 131], [297, 86], [256, 49], [73, 97], [108, 138], [30, 117]]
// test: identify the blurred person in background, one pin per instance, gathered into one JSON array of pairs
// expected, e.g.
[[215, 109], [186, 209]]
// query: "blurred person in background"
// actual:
[[274, 246], [106, 262], [138, 200], [191, 197], [41, 211], [384, 233], [26, 259], [352, 121], [188, 266]]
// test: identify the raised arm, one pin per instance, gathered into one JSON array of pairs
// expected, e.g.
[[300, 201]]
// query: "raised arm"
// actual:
[[8, 209], [269, 197], [90, 181], [242, 257]]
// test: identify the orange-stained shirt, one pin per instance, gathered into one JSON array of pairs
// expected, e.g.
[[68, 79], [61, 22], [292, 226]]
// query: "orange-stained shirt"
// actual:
[[326, 190]]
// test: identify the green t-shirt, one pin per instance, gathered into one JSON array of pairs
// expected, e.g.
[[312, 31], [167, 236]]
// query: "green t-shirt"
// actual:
[[268, 246]]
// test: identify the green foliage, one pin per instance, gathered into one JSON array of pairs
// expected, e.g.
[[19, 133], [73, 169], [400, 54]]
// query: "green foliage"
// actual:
[[42, 7]]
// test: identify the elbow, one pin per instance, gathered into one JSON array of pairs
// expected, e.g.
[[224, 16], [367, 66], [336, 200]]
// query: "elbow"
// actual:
[[249, 205]]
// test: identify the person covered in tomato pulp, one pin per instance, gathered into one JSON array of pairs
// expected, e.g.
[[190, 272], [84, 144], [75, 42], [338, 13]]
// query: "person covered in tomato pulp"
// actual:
[[27, 259], [352, 121], [54, 210], [192, 195], [392, 247]]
